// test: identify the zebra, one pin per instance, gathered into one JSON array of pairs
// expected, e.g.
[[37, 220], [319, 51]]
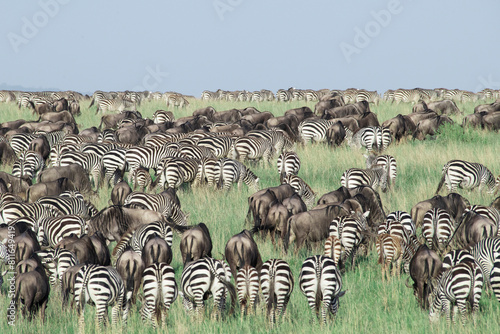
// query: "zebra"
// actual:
[[91, 163], [63, 259], [207, 170], [468, 175], [142, 178], [20, 142], [252, 148], [408, 95], [437, 229], [107, 136], [349, 230], [355, 177], [162, 116], [388, 96], [52, 230], [333, 249], [159, 203], [320, 281], [137, 238], [193, 151], [405, 219], [73, 204], [364, 137], [487, 212], [220, 145], [389, 249], [366, 95], [54, 137], [230, 171], [102, 286], [10, 211], [278, 138], [114, 164], [176, 171], [487, 254], [28, 164], [460, 284], [175, 100], [314, 130], [301, 188], [160, 292], [386, 161], [7, 96], [247, 287], [384, 138], [288, 163], [203, 276], [455, 257], [118, 104], [277, 283]]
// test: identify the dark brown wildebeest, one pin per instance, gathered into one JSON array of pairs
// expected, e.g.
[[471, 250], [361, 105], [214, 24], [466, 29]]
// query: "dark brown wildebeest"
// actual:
[[115, 220], [132, 134], [496, 203], [226, 116], [444, 107], [7, 154], [156, 250], [329, 103], [40, 109], [472, 228], [52, 188], [370, 202], [367, 119], [474, 120], [258, 203], [32, 290], [425, 266], [276, 219], [26, 245], [111, 121], [349, 122], [421, 107], [454, 203], [242, 250], [311, 226], [195, 242], [73, 172], [60, 105], [13, 124], [130, 267], [294, 204], [335, 134], [82, 247], [399, 126], [419, 116], [101, 249], [336, 196], [358, 108], [492, 107], [301, 113], [68, 284], [491, 121], [41, 146], [64, 116], [120, 192], [15, 185], [207, 112], [430, 126], [291, 120], [261, 117]]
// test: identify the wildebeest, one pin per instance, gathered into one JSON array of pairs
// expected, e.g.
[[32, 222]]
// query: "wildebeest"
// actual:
[[430, 126], [454, 203], [82, 247], [258, 203], [115, 220], [335, 134], [370, 201], [472, 228], [294, 204], [276, 219], [491, 121], [60, 105], [400, 126], [130, 267], [101, 249], [492, 107], [242, 250], [51, 188], [73, 172], [120, 192], [7, 154], [336, 196], [474, 120], [16, 185], [425, 265], [64, 116], [329, 103], [32, 290], [111, 121], [68, 284], [260, 117], [156, 250], [26, 245], [195, 243], [366, 119], [311, 226]]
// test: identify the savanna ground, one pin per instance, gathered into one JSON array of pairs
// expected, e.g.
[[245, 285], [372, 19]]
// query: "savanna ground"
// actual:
[[369, 305]]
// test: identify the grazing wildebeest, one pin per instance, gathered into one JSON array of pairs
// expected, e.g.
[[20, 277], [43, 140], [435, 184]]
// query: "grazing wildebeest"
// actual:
[[336, 196], [370, 201], [330, 103], [294, 204], [425, 265], [51, 188], [120, 192], [474, 120], [311, 226], [26, 245], [115, 220], [335, 134], [491, 121], [400, 126], [454, 203], [101, 249], [367, 119], [195, 242], [472, 228], [130, 267], [258, 203], [60, 105], [301, 113], [32, 290], [242, 250], [261, 117], [64, 116], [7, 154], [68, 284], [156, 250], [82, 247], [430, 126], [15, 185], [73, 172], [492, 107]]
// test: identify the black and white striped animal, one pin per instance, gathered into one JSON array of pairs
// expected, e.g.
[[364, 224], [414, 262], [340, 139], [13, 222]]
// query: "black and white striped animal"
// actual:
[[202, 277], [102, 286], [10, 211], [137, 238], [159, 203], [487, 212], [388, 162], [91, 163], [229, 171], [116, 104], [219, 145], [247, 286], [176, 171], [67, 203], [52, 230], [487, 254], [160, 292], [404, 218], [115, 164], [314, 130], [62, 259], [279, 139], [277, 283], [456, 287], [147, 157], [288, 163], [355, 177], [28, 164], [142, 179], [301, 188], [321, 283], [466, 175], [455, 257], [252, 148], [437, 229], [389, 249]]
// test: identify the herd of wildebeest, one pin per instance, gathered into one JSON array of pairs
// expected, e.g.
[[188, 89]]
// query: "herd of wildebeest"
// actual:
[[53, 236]]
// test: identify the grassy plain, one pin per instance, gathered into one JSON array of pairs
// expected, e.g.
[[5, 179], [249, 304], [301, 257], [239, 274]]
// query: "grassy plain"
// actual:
[[369, 305]]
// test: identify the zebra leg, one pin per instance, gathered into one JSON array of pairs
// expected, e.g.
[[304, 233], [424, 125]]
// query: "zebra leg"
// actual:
[[494, 280], [81, 319], [446, 309]]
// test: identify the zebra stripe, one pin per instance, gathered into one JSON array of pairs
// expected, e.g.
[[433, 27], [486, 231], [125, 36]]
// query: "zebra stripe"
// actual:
[[388, 162], [333, 248], [455, 257], [137, 238], [288, 163], [219, 145], [62, 260], [487, 254], [314, 130], [355, 177], [437, 229], [20, 142], [487, 212], [10, 211], [277, 285], [279, 139], [114, 164], [467, 175], [64, 205], [142, 179], [176, 171], [52, 230], [389, 250], [301, 188], [91, 163], [247, 286], [320, 281], [404, 218], [253, 148], [229, 171], [147, 157], [118, 104], [28, 165], [160, 292], [159, 203]]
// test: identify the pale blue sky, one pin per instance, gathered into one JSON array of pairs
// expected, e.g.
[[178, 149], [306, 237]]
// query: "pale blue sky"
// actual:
[[244, 44]]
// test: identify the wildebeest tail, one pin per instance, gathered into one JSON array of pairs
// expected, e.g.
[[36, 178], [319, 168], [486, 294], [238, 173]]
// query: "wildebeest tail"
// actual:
[[443, 178]]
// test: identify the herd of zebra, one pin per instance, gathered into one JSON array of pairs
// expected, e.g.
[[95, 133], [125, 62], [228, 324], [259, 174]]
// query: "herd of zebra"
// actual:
[[57, 229]]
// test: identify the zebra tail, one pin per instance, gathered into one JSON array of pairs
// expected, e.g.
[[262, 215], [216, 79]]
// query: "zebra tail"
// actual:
[[286, 240], [229, 286], [473, 283], [123, 243], [159, 296], [443, 177], [381, 250], [81, 303], [271, 302]]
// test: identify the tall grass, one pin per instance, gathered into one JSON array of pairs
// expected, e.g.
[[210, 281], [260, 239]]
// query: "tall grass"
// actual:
[[369, 305]]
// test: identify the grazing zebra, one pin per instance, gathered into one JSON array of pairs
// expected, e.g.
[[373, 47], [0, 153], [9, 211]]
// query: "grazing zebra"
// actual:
[[467, 175], [137, 238], [487, 254], [20, 142], [52, 230], [104, 287], [487, 212], [176, 171], [388, 162], [62, 259], [437, 229], [408, 95], [193, 151], [219, 145], [247, 286], [333, 249], [229, 171], [147, 157], [114, 164], [276, 281], [98, 149], [389, 249], [28, 164], [278, 138], [365, 137], [117, 104], [404, 218], [288, 163], [455, 257], [203, 276], [162, 116], [320, 281], [160, 292], [159, 203], [252, 148], [66, 205], [369, 96], [91, 163], [10, 211], [314, 130], [175, 100], [461, 284], [301, 188], [54, 137], [349, 230], [142, 178], [355, 177], [107, 136], [207, 170]]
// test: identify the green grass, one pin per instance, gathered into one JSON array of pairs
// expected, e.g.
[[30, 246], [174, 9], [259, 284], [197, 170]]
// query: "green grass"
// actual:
[[369, 305]]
